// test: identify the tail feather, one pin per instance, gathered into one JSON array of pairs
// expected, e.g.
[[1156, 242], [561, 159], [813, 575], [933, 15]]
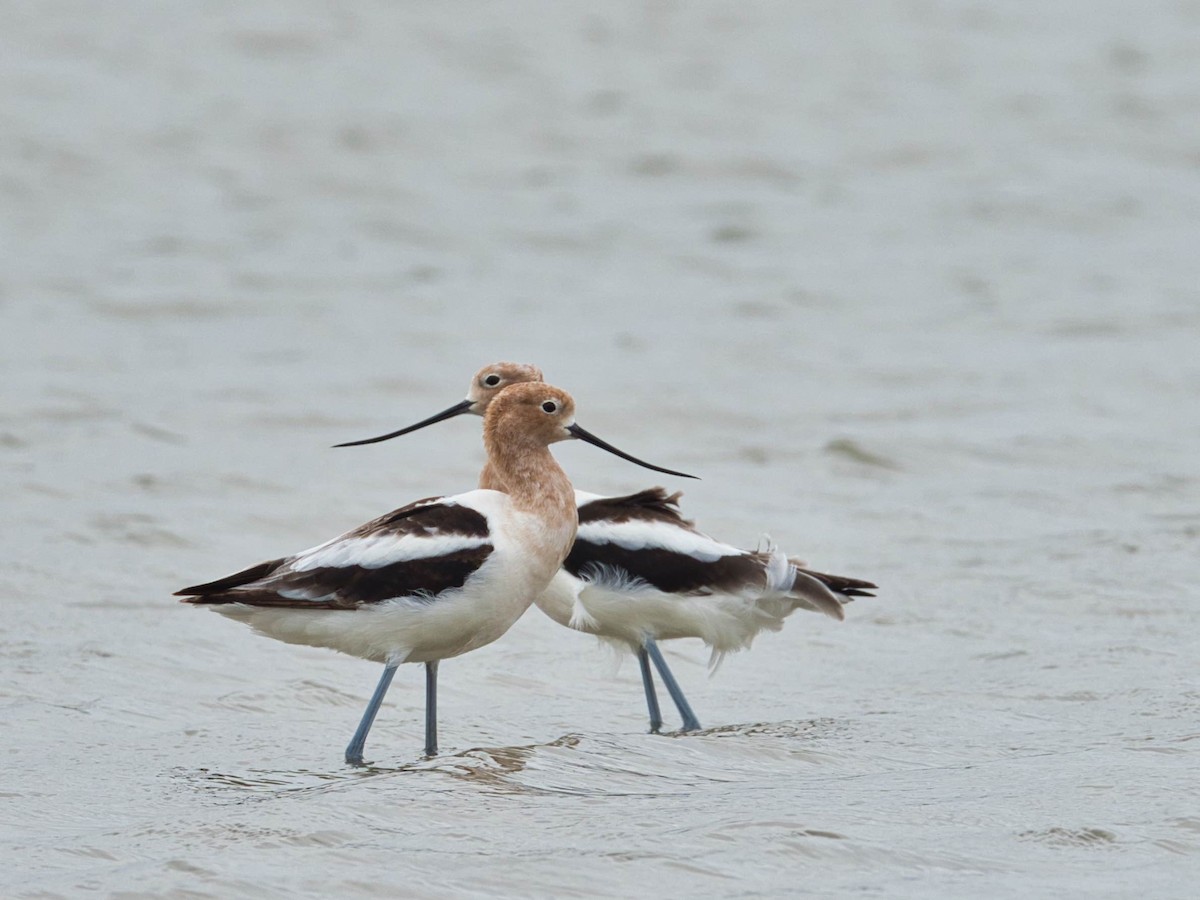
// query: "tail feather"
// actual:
[[827, 593], [840, 584]]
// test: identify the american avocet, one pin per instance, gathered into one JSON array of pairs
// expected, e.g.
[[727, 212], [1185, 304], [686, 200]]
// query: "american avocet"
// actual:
[[433, 579], [639, 572]]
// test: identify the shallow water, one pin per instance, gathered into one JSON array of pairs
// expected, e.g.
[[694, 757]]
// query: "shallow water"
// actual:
[[915, 292]]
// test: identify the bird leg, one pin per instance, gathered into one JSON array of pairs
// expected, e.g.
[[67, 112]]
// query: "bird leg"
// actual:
[[354, 751], [651, 696], [690, 722], [431, 747]]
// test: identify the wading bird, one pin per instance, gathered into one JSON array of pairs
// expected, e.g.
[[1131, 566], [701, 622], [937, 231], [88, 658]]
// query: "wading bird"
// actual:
[[434, 579], [639, 572]]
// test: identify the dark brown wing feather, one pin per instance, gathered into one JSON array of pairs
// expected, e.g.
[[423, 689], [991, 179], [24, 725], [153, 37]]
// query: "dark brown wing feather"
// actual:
[[667, 570], [237, 579], [653, 505]]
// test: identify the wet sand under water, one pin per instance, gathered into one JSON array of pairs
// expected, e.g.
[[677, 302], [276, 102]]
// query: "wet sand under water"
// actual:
[[914, 292]]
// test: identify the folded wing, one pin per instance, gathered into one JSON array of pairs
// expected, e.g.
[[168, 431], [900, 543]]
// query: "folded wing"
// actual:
[[642, 538], [420, 550]]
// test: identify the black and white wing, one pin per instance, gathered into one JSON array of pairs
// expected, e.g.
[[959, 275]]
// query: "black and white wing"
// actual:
[[643, 538], [420, 550]]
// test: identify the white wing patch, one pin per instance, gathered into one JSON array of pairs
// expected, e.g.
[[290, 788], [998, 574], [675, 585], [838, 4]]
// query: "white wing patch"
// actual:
[[375, 551], [657, 535]]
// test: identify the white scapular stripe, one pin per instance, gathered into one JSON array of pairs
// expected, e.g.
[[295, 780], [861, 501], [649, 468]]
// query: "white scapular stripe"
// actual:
[[656, 535], [375, 551]]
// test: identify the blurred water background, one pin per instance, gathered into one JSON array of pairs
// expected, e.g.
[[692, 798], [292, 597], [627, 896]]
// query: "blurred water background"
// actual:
[[913, 286]]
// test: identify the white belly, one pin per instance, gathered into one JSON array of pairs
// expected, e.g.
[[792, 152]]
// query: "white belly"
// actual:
[[632, 613]]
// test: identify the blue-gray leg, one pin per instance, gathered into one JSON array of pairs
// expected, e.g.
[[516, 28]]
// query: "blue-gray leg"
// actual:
[[690, 722], [431, 747], [354, 751], [651, 696]]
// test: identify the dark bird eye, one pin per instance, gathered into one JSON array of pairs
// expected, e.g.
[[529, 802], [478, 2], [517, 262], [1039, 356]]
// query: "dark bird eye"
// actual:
[[492, 380], [549, 406]]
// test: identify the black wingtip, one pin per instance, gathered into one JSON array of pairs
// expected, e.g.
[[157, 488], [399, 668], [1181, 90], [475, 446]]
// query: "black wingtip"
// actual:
[[237, 579]]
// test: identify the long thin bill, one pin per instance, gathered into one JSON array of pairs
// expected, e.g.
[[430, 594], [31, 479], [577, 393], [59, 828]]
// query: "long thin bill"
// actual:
[[457, 410], [584, 435]]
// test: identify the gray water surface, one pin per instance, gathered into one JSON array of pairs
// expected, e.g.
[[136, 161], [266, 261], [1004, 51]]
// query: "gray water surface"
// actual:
[[913, 289]]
